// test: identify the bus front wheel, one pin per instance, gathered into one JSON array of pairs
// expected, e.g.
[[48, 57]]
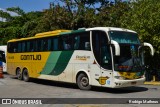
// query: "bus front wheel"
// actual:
[[83, 82], [25, 75], [18, 74]]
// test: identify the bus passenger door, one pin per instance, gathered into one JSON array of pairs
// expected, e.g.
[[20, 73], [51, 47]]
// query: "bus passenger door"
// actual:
[[102, 54]]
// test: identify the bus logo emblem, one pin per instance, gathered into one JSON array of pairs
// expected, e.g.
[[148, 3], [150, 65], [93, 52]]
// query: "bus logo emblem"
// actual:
[[102, 80]]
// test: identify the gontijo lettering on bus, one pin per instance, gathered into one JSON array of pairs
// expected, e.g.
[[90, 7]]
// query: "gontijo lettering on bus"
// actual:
[[31, 57]]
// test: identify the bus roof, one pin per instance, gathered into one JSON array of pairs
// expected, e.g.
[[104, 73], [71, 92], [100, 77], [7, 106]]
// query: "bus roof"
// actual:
[[52, 33], [48, 34], [110, 29], [60, 32], [44, 34]]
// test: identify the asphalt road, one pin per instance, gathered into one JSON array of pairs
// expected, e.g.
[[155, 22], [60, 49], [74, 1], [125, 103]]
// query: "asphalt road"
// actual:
[[10, 87]]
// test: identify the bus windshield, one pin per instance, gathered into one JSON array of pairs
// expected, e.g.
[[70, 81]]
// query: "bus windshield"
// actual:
[[131, 56], [130, 59], [124, 37]]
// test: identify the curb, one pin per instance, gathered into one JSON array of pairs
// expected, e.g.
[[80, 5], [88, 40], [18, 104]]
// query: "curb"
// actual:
[[152, 83]]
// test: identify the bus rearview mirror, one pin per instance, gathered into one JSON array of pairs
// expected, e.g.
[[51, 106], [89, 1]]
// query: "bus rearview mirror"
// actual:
[[117, 47], [150, 46]]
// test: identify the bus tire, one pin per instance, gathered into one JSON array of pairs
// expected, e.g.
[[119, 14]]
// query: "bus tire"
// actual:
[[25, 75], [83, 82], [18, 74]]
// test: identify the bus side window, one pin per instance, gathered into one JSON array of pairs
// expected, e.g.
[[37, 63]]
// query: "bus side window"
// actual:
[[67, 42], [49, 44], [35, 45], [82, 41], [44, 45], [87, 46], [55, 44], [67, 47], [19, 47], [85, 41], [39, 45], [15, 47], [10, 47], [28, 46], [32, 46], [24, 46], [76, 42]]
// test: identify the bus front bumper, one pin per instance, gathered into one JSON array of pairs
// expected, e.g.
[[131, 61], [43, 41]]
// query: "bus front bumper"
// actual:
[[126, 83]]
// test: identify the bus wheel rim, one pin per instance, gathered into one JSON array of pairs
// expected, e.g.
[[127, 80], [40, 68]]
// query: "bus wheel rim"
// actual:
[[84, 81], [25, 75], [18, 74]]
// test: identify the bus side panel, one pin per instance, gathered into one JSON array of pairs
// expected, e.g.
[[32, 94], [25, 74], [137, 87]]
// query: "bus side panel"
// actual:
[[67, 74], [95, 74], [33, 62], [58, 66], [11, 61], [84, 62]]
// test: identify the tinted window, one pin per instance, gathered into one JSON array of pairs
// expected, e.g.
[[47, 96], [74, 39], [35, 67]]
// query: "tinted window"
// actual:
[[76, 41], [101, 49], [55, 44], [81, 41], [24, 46], [19, 47], [124, 37], [12, 47], [67, 42], [49, 47]]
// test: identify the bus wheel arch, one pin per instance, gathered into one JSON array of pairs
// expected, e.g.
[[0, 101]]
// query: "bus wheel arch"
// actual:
[[18, 73], [25, 75], [83, 80]]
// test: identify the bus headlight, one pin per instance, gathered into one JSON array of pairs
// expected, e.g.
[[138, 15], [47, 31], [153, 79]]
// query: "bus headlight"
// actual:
[[120, 77]]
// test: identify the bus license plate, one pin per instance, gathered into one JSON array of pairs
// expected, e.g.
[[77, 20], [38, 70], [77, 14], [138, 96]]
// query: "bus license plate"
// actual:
[[133, 83]]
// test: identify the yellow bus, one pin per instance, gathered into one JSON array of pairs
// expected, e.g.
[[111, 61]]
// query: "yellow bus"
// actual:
[[99, 56]]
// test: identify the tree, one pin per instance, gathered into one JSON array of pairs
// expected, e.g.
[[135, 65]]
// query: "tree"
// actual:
[[19, 26], [146, 21], [110, 15], [16, 10], [5, 15]]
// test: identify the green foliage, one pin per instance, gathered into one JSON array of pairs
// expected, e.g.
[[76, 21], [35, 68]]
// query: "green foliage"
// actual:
[[9, 33], [19, 26], [16, 10], [5, 15], [110, 15], [144, 18]]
